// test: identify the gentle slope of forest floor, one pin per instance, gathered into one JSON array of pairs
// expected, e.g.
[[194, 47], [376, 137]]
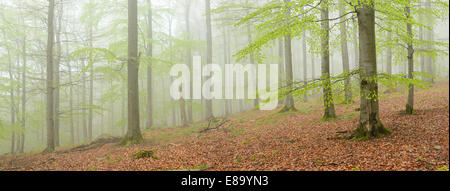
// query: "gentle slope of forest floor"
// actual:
[[262, 140]]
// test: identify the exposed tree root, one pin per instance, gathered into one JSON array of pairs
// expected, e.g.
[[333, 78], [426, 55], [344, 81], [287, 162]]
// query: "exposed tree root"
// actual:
[[92, 145]]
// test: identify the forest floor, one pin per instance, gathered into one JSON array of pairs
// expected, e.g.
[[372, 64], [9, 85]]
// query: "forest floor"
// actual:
[[268, 140]]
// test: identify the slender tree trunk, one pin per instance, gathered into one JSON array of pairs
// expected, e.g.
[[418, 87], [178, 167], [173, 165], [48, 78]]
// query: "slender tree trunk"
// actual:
[[13, 107], [281, 72], [209, 109], [189, 58], [429, 65], [56, 73], [91, 88], [305, 58], [71, 95], [50, 114], [83, 101], [410, 103], [329, 112], [370, 125], [24, 87], [345, 58], [149, 122], [288, 62], [133, 135]]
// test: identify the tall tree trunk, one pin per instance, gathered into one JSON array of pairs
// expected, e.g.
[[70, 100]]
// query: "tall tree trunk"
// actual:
[[133, 135], [149, 122], [83, 101], [305, 72], [24, 87], [91, 88], [13, 106], [288, 62], [189, 57], [429, 65], [370, 125], [329, 112], [56, 73], [209, 108], [281, 72], [345, 59], [410, 103], [71, 123], [50, 114]]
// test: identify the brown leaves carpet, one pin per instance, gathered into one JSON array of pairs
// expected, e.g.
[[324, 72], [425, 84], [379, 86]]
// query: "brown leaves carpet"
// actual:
[[261, 140]]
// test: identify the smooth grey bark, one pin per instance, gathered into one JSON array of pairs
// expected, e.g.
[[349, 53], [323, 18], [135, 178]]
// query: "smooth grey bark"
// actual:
[[50, 115], [329, 112], [288, 62], [345, 58], [209, 109], [149, 122], [370, 125], [133, 135], [410, 104]]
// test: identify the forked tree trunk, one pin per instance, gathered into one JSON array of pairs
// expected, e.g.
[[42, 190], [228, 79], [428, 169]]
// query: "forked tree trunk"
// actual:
[[370, 125], [329, 112]]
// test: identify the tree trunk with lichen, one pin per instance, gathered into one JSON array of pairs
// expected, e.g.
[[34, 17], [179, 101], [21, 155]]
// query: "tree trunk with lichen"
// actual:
[[370, 125]]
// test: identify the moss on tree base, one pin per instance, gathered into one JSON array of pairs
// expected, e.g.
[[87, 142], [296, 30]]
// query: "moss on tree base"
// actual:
[[131, 140], [328, 117], [409, 109], [288, 109], [361, 133]]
